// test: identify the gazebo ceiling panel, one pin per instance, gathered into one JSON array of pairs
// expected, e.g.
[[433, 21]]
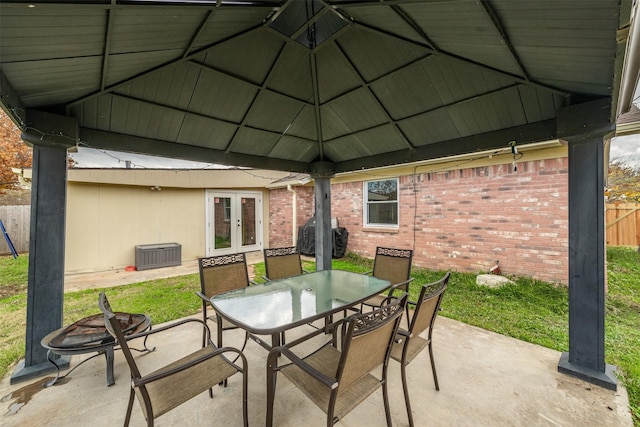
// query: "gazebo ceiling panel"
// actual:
[[357, 110], [336, 75], [374, 54], [291, 74], [123, 67], [377, 140], [266, 141], [54, 81], [95, 113], [273, 112], [152, 30], [249, 56], [539, 105], [427, 128], [387, 20], [303, 124], [178, 83], [224, 23], [448, 28], [433, 82], [291, 148], [291, 82], [231, 96], [197, 130], [142, 119], [30, 35]]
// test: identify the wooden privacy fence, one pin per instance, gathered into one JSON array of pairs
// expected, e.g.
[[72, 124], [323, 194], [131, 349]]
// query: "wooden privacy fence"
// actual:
[[16, 220], [623, 224]]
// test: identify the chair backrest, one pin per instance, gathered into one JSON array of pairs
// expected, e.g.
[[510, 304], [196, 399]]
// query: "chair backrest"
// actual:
[[115, 329], [282, 262], [392, 264], [368, 340], [428, 305], [222, 273]]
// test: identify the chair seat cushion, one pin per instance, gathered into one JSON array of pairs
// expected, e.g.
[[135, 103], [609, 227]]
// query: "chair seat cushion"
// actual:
[[375, 301], [173, 390], [416, 345], [326, 361]]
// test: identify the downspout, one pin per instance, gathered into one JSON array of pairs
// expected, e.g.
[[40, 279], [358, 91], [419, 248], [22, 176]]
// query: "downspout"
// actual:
[[631, 68], [294, 219]]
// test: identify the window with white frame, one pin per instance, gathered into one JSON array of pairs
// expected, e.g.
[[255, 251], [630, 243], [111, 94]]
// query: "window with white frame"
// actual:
[[381, 203]]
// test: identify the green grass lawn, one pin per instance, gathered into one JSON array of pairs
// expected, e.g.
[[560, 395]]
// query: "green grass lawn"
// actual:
[[530, 310]]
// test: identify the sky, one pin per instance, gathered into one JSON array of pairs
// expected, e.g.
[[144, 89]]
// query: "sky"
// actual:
[[92, 158], [626, 149]]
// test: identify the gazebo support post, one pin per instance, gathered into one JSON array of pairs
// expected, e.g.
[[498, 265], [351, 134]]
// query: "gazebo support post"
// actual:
[[585, 128], [322, 190], [51, 138]]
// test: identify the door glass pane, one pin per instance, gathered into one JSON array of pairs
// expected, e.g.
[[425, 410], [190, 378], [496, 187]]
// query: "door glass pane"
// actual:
[[222, 222], [248, 209]]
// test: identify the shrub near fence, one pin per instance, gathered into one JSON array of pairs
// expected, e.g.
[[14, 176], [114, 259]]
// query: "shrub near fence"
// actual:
[[16, 220], [623, 224]]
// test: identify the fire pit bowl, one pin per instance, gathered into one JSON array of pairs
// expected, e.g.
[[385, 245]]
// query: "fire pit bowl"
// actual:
[[90, 335]]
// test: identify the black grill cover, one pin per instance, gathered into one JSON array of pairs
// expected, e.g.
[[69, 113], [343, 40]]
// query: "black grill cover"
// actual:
[[307, 239]]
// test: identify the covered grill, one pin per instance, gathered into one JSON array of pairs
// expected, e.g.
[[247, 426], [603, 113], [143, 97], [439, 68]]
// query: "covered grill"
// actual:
[[307, 238]]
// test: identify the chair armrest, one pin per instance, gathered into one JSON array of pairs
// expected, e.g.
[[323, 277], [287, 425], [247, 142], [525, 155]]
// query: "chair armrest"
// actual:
[[313, 372], [191, 363], [402, 285], [367, 272], [404, 333], [203, 296], [251, 283], [170, 326]]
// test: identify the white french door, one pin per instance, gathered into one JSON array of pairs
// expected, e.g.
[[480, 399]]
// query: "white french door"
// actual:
[[234, 222]]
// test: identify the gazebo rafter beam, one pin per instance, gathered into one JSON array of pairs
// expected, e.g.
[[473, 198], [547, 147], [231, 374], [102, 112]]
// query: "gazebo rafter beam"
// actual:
[[262, 88], [442, 53], [366, 85], [380, 77], [203, 116], [414, 25], [259, 86], [143, 74], [106, 49], [197, 32], [497, 24]]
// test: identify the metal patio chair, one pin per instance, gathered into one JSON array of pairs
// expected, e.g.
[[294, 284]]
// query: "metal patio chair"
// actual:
[[393, 265], [164, 389], [409, 343], [339, 377], [220, 274], [282, 262]]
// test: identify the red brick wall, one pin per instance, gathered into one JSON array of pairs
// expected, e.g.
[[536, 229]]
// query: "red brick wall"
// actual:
[[281, 213], [465, 220]]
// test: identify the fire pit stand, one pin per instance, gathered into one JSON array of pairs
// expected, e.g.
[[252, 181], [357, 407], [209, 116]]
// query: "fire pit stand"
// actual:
[[90, 335]]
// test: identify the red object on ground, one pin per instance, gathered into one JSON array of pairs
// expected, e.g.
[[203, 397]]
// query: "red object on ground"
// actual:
[[495, 269], [130, 268]]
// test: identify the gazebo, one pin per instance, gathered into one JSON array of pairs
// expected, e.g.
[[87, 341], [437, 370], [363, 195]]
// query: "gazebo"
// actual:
[[319, 87]]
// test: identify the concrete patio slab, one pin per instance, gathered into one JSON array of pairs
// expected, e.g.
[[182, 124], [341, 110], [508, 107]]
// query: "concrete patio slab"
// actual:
[[486, 379]]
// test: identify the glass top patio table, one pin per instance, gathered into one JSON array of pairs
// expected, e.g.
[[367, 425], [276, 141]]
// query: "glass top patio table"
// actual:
[[272, 308]]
